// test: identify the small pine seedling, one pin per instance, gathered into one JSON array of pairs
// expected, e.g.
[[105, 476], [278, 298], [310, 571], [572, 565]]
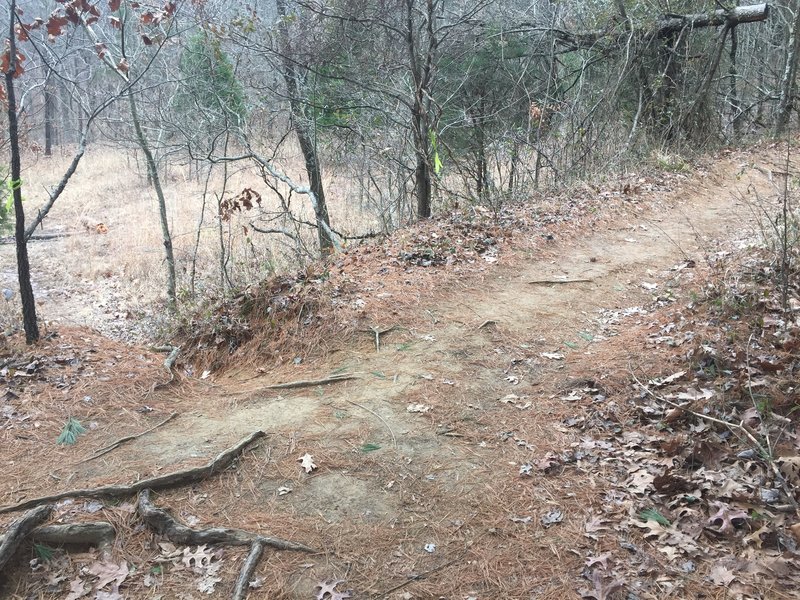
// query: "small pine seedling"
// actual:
[[69, 435]]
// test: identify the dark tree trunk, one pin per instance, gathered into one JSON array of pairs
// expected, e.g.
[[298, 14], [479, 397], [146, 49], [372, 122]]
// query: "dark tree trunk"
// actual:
[[23, 265], [788, 82], [421, 76], [305, 137], [49, 99]]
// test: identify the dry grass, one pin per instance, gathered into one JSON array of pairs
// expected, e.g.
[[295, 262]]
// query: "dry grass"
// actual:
[[109, 190]]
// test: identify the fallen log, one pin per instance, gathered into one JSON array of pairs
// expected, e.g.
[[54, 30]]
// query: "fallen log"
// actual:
[[222, 461], [734, 16]]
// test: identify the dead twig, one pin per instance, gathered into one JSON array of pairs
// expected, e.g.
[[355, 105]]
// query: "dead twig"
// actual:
[[246, 574], [120, 441], [549, 281], [378, 333], [19, 530], [221, 462], [418, 577], [160, 521], [292, 385], [369, 410]]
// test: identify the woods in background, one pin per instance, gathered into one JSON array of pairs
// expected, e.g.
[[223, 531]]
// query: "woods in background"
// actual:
[[422, 105]]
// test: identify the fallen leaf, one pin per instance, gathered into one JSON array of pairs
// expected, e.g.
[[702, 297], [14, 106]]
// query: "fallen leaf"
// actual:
[[327, 590], [604, 586], [552, 517], [665, 380], [307, 462], [107, 572], [77, 589], [601, 560], [720, 575]]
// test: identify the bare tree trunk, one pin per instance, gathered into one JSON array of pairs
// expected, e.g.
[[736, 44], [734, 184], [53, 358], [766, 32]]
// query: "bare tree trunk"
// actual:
[[153, 177], [304, 136], [29, 320], [420, 76], [789, 75], [736, 103], [49, 109]]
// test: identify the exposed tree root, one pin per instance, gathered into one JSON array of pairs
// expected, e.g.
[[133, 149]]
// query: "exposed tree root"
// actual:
[[120, 441], [98, 533], [19, 530], [549, 281], [102, 534], [222, 461], [311, 382], [160, 521], [246, 574], [169, 365]]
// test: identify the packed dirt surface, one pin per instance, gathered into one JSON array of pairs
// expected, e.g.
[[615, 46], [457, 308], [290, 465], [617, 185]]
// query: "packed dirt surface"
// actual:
[[430, 474]]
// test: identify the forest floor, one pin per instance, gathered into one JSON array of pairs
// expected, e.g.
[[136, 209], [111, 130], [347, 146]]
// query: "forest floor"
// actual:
[[512, 435]]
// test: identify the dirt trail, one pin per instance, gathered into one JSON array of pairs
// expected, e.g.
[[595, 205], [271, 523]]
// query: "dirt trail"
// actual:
[[439, 475]]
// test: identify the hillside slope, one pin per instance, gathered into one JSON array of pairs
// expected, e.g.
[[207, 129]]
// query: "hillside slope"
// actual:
[[493, 443]]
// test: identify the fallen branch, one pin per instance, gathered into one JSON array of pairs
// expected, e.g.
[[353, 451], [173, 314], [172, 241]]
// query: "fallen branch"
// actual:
[[418, 577], [169, 363], [97, 534], [160, 521], [120, 441], [19, 530], [311, 382], [549, 281], [369, 410], [42, 237], [246, 574], [378, 333], [222, 461]]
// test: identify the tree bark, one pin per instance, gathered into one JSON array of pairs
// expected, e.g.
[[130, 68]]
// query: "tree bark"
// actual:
[[789, 79], [739, 14], [304, 135], [420, 76], [154, 178], [29, 320], [49, 99], [736, 103]]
